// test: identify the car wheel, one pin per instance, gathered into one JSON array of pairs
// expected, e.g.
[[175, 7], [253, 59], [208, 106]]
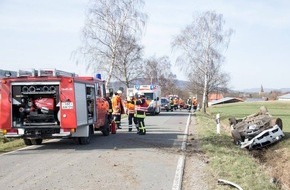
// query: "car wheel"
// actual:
[[232, 121], [279, 123]]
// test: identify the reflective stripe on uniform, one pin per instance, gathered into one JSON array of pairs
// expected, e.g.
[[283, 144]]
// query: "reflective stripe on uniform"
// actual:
[[141, 127], [140, 115], [131, 111], [141, 109]]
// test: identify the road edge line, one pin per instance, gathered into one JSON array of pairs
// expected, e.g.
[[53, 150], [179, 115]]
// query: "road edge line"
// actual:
[[177, 183]]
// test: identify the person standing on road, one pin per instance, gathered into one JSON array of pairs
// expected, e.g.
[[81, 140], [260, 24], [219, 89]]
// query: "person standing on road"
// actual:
[[140, 113], [171, 103], [194, 103], [175, 103], [189, 103], [181, 103], [118, 109], [108, 98], [130, 111]]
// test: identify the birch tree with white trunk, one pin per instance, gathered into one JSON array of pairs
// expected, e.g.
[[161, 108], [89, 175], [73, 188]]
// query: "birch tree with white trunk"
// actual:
[[200, 47], [107, 22]]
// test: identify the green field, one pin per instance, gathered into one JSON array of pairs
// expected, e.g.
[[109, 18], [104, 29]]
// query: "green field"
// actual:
[[255, 169], [279, 109]]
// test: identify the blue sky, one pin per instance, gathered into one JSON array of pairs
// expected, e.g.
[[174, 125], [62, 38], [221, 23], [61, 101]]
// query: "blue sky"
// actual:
[[43, 34]]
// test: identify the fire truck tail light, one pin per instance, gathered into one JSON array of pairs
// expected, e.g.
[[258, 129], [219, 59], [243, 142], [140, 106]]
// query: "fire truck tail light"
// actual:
[[66, 130], [70, 80], [11, 131], [4, 81]]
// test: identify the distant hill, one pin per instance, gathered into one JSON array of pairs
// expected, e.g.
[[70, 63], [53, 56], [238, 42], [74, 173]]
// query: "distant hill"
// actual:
[[182, 84], [267, 90], [117, 85]]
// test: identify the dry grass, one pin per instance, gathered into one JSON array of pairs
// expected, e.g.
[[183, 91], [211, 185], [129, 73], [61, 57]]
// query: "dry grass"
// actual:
[[277, 163]]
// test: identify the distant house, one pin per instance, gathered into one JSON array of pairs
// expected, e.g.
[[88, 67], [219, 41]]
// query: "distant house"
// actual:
[[284, 97], [225, 100], [215, 96]]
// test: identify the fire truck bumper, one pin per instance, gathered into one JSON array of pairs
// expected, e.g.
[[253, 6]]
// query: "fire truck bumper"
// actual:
[[13, 136], [16, 133], [41, 133]]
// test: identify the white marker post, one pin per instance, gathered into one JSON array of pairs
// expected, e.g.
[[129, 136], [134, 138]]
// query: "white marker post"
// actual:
[[218, 125]]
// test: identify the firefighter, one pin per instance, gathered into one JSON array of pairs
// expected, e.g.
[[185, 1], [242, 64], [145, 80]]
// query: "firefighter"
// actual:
[[130, 105], [171, 103], [140, 113], [189, 104], [194, 103], [118, 109], [108, 98], [181, 103], [175, 103]]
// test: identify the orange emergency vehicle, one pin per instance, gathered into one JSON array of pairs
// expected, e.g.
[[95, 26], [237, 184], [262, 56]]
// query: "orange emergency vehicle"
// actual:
[[49, 103]]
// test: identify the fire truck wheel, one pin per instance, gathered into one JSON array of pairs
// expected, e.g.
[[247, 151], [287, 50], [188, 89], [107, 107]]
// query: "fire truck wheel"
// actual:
[[87, 140], [27, 142], [106, 128], [84, 140], [36, 141]]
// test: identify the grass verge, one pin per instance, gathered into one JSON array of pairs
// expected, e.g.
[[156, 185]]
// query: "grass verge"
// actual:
[[7, 145]]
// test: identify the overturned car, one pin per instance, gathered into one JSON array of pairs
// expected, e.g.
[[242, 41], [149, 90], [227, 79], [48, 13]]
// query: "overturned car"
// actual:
[[257, 130]]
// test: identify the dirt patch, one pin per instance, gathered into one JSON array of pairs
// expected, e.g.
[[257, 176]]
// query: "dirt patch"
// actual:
[[277, 163]]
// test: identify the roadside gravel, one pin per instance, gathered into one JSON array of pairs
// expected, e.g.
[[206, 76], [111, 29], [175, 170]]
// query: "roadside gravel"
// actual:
[[196, 172]]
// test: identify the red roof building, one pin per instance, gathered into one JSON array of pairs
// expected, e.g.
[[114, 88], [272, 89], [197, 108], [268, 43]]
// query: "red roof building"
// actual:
[[214, 96]]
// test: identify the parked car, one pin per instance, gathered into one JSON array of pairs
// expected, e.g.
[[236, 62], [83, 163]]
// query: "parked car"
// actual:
[[165, 104]]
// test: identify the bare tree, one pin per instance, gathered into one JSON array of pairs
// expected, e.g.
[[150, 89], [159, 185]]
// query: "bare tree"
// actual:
[[129, 65], [158, 71], [201, 45], [107, 22], [217, 81]]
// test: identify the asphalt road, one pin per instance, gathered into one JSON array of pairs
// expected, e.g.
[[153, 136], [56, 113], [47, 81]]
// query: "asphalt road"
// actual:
[[119, 161]]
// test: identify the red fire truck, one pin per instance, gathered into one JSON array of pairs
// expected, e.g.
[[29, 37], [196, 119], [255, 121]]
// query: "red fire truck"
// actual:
[[49, 103]]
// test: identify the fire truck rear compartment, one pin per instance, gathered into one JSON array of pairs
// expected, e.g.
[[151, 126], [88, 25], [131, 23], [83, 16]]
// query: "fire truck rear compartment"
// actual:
[[35, 106]]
